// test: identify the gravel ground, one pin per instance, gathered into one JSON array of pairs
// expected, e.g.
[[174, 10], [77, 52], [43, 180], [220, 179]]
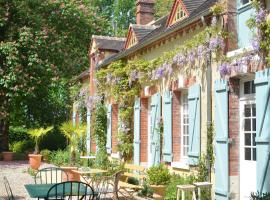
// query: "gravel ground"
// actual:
[[16, 173]]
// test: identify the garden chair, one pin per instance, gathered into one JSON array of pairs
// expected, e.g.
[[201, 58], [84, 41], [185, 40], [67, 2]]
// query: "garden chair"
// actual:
[[8, 189], [50, 175], [107, 187], [71, 190]]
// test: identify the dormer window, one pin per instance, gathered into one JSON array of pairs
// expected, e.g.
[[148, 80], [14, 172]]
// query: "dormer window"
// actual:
[[132, 41], [180, 14]]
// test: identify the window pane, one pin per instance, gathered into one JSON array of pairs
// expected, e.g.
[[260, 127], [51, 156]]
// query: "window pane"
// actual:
[[247, 139], [254, 110], [254, 154], [245, 2], [254, 139], [247, 111], [247, 87], [247, 153], [253, 87], [253, 124], [247, 124]]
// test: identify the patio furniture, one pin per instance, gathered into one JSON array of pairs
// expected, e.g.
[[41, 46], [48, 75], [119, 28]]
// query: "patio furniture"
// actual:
[[50, 175], [183, 189], [8, 189], [60, 190], [87, 174], [201, 185]]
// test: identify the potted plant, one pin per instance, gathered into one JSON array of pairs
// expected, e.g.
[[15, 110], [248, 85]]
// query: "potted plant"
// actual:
[[7, 156], [37, 134], [73, 133], [158, 177]]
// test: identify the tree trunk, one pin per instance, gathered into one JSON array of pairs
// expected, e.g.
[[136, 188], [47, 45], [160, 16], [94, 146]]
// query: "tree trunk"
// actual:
[[4, 130]]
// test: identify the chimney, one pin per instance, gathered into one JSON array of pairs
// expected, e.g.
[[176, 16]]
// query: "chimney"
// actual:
[[145, 11]]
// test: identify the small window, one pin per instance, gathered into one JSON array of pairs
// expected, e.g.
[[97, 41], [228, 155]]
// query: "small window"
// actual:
[[184, 125], [249, 87], [180, 14], [244, 2]]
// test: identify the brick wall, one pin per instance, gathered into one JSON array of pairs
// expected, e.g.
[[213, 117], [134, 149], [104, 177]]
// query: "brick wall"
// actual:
[[234, 93], [114, 127], [144, 130], [176, 126]]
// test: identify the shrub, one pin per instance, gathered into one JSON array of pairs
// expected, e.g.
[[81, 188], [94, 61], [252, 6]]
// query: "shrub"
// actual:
[[46, 155], [60, 158], [158, 175], [23, 146], [59, 140], [258, 196], [171, 190], [147, 191], [17, 134]]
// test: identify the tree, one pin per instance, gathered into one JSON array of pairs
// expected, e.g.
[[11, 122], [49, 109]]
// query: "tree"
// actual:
[[43, 43], [163, 7]]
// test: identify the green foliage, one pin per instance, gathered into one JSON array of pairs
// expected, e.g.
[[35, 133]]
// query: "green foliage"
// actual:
[[23, 146], [17, 134], [59, 140], [20, 156], [258, 196], [163, 7], [100, 132], [171, 189], [147, 191], [203, 176], [210, 144], [37, 134], [45, 155], [60, 158], [158, 175], [31, 171]]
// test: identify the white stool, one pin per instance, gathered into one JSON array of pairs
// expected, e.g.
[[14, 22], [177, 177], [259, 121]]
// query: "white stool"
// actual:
[[183, 189], [201, 185]]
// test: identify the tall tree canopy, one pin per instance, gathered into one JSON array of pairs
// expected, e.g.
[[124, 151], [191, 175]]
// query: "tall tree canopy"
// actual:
[[163, 7], [43, 43]]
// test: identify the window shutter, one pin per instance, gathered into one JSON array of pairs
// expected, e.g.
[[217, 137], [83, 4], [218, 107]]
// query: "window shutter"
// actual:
[[155, 135], [88, 132], [137, 121], [194, 107], [222, 145], [109, 129], [262, 82], [167, 119]]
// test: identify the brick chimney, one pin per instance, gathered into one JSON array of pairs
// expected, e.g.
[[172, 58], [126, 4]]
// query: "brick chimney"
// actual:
[[145, 11]]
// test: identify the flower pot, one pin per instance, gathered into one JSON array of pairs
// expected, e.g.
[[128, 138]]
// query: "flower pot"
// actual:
[[159, 191], [35, 161], [7, 156], [72, 176]]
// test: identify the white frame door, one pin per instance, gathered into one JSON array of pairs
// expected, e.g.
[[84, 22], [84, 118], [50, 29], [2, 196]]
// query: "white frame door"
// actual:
[[247, 166]]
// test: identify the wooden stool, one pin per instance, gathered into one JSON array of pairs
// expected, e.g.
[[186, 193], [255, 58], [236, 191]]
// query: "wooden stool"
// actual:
[[183, 189], [200, 185]]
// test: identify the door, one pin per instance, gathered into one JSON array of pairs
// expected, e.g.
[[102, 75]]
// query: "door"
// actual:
[[247, 140]]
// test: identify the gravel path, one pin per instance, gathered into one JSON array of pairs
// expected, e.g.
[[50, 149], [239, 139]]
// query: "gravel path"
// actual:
[[16, 173]]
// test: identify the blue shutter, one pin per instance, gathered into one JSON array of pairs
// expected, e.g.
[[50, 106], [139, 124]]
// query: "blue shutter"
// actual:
[[222, 145], [155, 135], [88, 132], [167, 119], [262, 82], [137, 125], [109, 129], [194, 111]]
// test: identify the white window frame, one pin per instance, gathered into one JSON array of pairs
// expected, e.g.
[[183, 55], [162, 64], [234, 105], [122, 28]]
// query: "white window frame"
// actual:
[[149, 132], [183, 158]]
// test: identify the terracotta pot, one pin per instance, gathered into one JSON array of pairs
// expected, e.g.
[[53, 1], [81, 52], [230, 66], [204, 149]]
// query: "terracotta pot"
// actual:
[[72, 176], [35, 161], [7, 156], [159, 190]]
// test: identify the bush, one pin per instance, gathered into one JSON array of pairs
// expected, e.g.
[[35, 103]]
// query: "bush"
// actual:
[[158, 175], [45, 155], [171, 190], [23, 146], [60, 158], [258, 196], [17, 134], [59, 141], [147, 191]]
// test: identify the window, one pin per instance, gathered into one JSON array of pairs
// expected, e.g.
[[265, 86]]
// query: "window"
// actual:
[[184, 126], [249, 87], [132, 41], [244, 2], [180, 14]]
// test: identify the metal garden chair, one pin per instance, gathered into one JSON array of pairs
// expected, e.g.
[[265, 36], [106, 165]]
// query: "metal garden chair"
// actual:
[[50, 175], [71, 190], [8, 189]]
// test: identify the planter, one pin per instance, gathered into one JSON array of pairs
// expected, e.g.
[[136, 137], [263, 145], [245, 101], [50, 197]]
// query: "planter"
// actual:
[[72, 176], [159, 191], [7, 156], [35, 161]]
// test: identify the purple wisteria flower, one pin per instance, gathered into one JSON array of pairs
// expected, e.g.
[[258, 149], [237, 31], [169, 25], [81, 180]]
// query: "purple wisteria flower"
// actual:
[[200, 52], [168, 68], [214, 21], [191, 57], [224, 69], [260, 16], [181, 60], [215, 43], [134, 75], [255, 44], [160, 72]]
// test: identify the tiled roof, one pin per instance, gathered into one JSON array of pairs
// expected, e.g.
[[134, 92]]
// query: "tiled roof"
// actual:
[[192, 5], [141, 31], [162, 31], [110, 43]]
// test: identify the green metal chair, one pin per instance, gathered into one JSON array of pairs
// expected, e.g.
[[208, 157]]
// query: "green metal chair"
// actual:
[[50, 175], [71, 190], [8, 189]]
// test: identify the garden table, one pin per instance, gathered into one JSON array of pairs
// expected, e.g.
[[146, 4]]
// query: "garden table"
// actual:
[[86, 174], [41, 190], [88, 158]]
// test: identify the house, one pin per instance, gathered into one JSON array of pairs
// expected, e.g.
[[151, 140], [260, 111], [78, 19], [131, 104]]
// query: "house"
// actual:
[[237, 102]]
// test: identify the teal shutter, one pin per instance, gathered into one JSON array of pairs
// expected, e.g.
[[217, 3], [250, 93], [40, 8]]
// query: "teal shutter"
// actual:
[[262, 82], [222, 145], [137, 125], [88, 132], [109, 129], [194, 109], [167, 119], [155, 135]]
